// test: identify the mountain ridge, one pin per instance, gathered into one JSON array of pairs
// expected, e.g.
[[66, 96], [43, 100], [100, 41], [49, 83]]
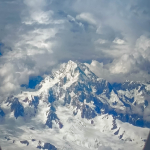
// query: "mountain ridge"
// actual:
[[78, 75], [76, 89]]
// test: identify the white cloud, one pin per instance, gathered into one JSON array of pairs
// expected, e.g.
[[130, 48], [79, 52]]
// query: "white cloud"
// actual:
[[71, 18], [121, 69], [36, 4], [118, 41], [143, 46], [8, 80], [41, 34], [86, 17], [36, 13], [101, 41], [123, 65], [36, 41], [40, 17], [74, 20]]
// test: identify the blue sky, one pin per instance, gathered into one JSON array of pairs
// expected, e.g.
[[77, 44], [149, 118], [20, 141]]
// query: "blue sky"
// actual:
[[36, 36]]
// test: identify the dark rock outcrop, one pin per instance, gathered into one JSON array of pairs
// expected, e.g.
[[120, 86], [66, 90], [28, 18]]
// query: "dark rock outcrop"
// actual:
[[47, 146], [17, 107], [25, 142], [2, 113]]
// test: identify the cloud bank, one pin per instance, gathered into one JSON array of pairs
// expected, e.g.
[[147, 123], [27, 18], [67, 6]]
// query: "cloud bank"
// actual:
[[38, 35]]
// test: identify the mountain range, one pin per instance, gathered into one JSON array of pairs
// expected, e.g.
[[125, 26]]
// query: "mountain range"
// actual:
[[74, 109]]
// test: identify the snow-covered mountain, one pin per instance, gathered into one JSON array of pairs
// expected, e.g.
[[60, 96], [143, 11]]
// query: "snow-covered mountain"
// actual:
[[74, 109]]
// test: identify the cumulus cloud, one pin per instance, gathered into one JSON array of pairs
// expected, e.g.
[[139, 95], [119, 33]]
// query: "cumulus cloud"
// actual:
[[38, 35], [118, 41], [143, 46], [132, 67]]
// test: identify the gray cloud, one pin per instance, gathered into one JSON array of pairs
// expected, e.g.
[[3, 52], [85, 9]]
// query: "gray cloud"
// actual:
[[105, 148], [38, 35]]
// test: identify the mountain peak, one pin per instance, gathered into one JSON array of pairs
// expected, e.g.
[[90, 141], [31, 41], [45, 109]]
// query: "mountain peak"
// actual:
[[71, 65], [74, 69], [72, 62]]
